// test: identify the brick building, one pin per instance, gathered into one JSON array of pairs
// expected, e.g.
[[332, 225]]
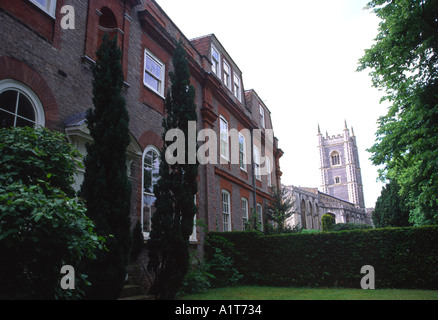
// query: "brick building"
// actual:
[[45, 79]]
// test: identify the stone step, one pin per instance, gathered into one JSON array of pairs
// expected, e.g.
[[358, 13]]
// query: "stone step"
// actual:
[[130, 290], [139, 297]]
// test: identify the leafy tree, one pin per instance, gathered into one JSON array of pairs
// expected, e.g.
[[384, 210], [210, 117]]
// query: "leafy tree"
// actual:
[[106, 187], [41, 227], [403, 62], [278, 210], [390, 210], [172, 222]]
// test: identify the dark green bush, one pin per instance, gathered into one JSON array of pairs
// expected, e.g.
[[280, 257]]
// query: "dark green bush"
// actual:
[[327, 222], [350, 226], [402, 257], [42, 227]]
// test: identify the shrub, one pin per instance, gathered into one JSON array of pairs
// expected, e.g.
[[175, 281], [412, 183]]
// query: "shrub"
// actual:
[[42, 227], [327, 222], [350, 226], [137, 242], [28, 155], [402, 257], [197, 278], [39, 233]]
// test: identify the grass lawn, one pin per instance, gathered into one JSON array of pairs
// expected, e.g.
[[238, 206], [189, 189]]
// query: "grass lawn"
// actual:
[[274, 293]]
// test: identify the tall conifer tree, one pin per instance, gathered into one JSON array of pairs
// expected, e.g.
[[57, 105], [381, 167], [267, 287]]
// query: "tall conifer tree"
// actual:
[[106, 188], [172, 222]]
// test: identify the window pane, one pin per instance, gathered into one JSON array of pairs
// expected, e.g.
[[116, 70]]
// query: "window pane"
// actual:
[[25, 108], [8, 100], [151, 171], [24, 123], [6, 119], [42, 2], [224, 138], [152, 82]]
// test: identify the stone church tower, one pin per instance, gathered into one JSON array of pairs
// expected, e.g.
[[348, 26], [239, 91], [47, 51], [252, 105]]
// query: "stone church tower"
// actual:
[[340, 170]]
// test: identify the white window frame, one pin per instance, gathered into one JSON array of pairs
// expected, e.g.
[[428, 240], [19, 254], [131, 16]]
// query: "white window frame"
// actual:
[[194, 235], [215, 63], [226, 211], [227, 75], [257, 170], [237, 87], [268, 172], [337, 180], [22, 89], [259, 212], [262, 117], [143, 193], [224, 139], [49, 8], [242, 152], [161, 79], [245, 215]]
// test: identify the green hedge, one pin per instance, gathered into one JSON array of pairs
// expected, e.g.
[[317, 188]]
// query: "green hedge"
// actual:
[[401, 257]]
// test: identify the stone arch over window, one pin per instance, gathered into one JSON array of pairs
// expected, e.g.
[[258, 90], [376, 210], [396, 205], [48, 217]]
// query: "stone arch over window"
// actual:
[[19, 105], [335, 158], [333, 216]]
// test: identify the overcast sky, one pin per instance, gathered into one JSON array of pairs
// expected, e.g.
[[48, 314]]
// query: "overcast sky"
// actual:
[[301, 59]]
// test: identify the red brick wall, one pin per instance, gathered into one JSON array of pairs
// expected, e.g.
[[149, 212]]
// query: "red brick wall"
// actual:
[[11, 68]]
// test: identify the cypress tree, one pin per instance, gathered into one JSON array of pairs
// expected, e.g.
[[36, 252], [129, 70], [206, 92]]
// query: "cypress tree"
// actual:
[[106, 188], [172, 222]]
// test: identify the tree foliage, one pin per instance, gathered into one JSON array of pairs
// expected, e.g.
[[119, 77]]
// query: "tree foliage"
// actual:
[[278, 210], [172, 222], [403, 63], [42, 228], [327, 222], [106, 188], [390, 209]]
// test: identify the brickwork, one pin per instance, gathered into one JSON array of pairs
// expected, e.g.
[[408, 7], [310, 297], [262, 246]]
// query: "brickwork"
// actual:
[[56, 64]]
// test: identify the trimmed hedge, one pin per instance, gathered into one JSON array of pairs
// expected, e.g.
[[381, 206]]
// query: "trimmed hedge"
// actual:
[[401, 257]]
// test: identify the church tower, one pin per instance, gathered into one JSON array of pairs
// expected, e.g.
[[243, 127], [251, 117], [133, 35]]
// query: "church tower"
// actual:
[[339, 164]]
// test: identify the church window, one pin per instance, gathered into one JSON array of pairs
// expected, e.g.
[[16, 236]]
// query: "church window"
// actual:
[[19, 106], [226, 210], [336, 159], [337, 180], [151, 164]]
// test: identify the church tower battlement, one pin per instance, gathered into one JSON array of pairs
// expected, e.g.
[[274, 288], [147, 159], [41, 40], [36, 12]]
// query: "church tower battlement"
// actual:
[[340, 169]]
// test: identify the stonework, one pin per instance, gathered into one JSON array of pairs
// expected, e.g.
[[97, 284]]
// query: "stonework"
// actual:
[[341, 184]]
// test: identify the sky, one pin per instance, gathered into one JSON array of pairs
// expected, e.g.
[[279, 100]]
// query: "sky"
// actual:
[[301, 59]]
